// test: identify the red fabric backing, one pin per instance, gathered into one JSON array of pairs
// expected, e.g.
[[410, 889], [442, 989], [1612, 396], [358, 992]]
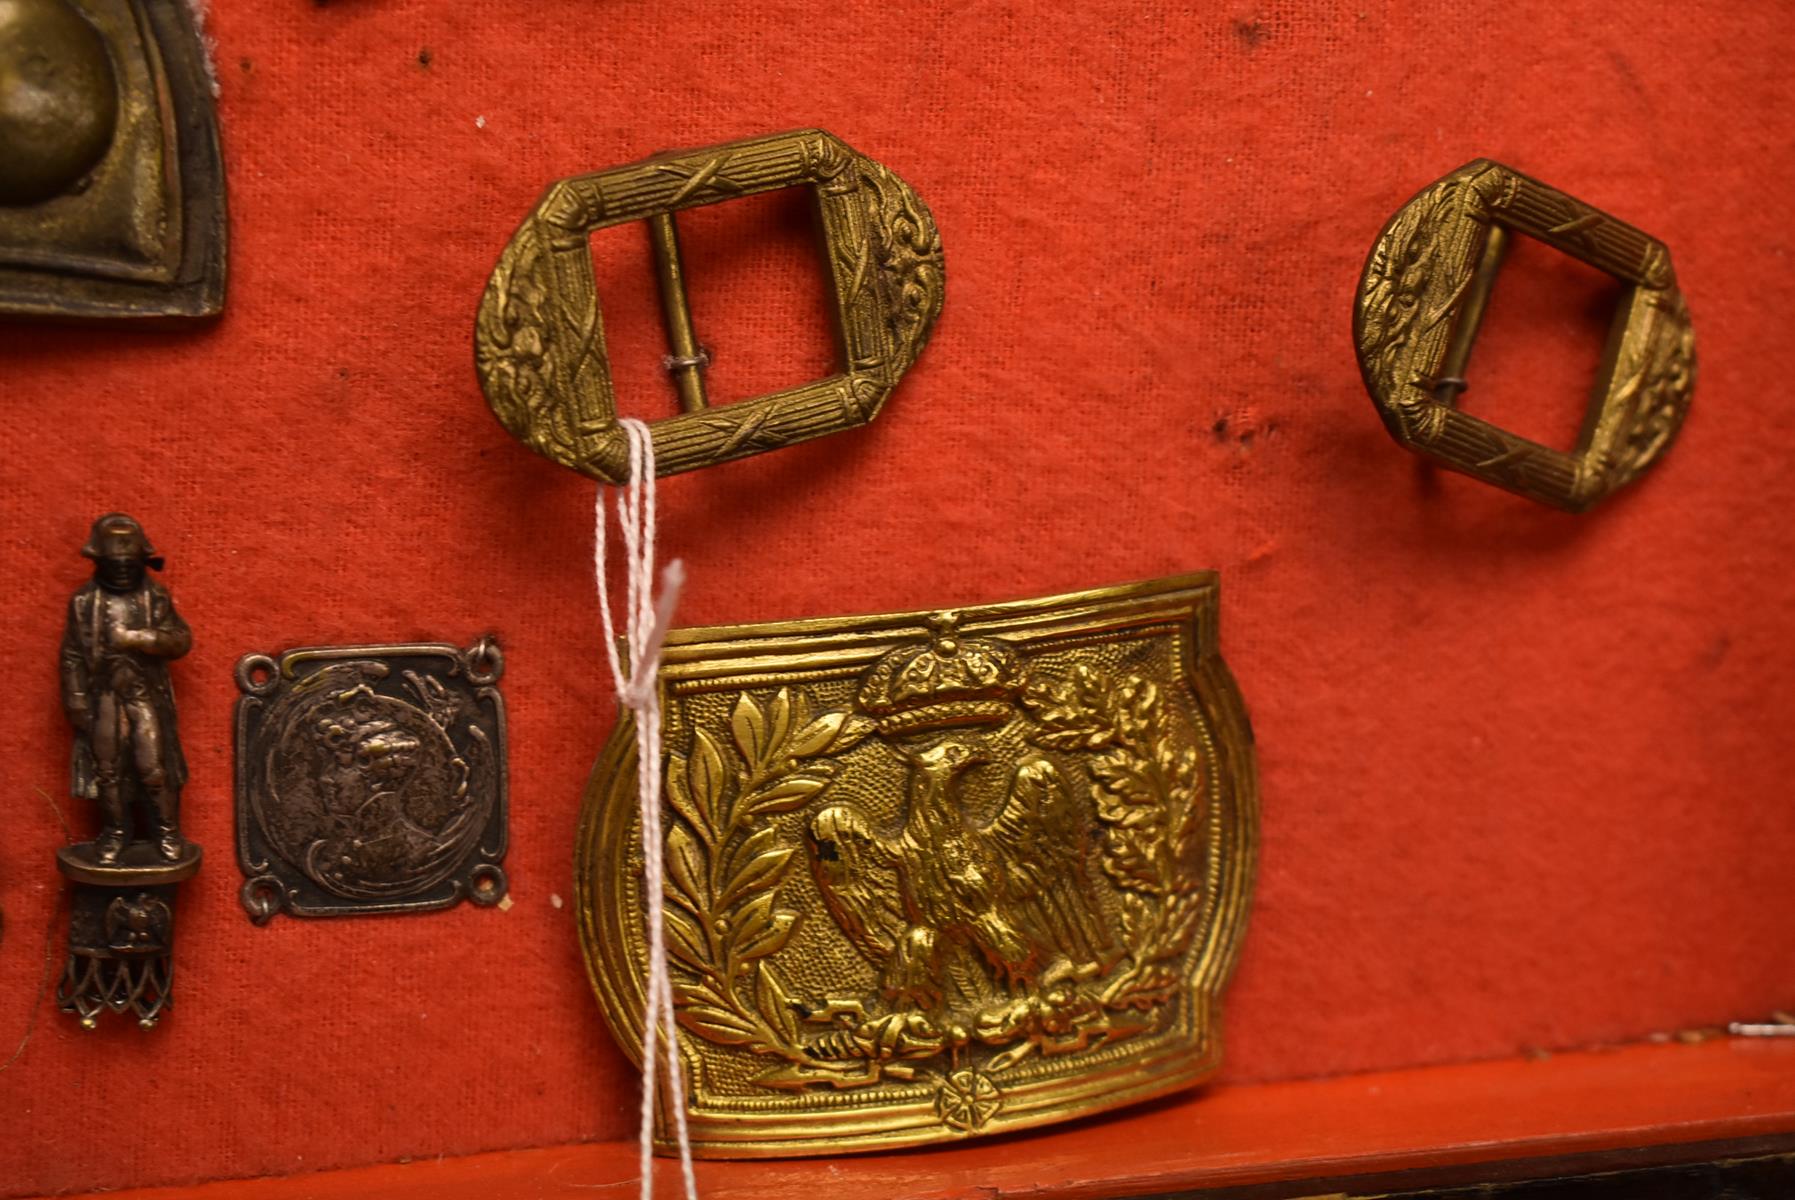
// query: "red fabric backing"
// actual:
[[1525, 775]]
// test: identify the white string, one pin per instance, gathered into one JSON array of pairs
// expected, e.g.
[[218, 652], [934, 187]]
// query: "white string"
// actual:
[[646, 619]]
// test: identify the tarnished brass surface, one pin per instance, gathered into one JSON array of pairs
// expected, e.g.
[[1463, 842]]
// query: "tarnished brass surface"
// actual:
[[111, 186], [539, 343], [934, 874], [58, 99], [1424, 292], [370, 779]]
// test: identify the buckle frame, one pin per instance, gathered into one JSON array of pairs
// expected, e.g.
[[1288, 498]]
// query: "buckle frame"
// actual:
[[1424, 292], [539, 333]]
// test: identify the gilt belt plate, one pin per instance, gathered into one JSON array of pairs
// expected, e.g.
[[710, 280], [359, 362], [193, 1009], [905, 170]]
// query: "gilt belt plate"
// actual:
[[370, 779], [933, 874]]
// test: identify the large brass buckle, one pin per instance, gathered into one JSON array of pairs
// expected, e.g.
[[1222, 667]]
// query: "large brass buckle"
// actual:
[[1423, 295], [539, 337]]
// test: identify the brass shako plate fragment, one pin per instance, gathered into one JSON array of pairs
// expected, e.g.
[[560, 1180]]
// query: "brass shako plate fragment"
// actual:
[[1424, 292], [370, 779], [112, 193], [933, 874], [539, 336]]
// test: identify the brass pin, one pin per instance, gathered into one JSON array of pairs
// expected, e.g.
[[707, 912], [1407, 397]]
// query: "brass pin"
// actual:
[[1450, 382], [688, 359], [1760, 1029]]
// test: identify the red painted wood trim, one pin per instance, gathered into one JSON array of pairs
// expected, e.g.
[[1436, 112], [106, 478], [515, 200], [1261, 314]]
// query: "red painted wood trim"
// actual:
[[1574, 1104]]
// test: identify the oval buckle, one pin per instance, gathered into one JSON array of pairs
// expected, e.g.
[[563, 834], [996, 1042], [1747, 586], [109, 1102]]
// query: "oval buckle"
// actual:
[[539, 343], [1423, 295]]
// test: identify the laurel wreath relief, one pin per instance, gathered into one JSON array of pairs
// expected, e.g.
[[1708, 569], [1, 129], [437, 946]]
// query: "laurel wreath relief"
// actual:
[[1150, 798], [724, 874]]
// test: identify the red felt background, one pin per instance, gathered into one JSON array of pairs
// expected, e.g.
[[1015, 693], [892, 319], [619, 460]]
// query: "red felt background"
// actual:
[[1525, 775]]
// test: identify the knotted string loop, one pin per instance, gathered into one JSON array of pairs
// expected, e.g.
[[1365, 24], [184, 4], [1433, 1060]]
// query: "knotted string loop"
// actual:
[[646, 619]]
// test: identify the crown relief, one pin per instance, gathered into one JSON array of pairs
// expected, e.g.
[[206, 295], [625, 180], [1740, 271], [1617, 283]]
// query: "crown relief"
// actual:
[[948, 681]]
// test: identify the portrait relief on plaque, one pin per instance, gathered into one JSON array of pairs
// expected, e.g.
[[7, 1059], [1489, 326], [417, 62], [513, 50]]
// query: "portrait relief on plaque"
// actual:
[[370, 779]]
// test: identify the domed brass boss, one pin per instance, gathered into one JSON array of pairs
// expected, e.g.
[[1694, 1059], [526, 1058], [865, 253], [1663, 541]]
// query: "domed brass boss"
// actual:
[[58, 99], [111, 184], [539, 344], [1424, 292]]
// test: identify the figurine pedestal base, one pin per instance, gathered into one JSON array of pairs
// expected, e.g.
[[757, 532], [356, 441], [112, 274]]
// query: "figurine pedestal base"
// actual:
[[121, 931]]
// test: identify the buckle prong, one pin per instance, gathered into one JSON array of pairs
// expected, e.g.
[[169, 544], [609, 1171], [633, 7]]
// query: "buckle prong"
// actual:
[[687, 359], [1449, 382]]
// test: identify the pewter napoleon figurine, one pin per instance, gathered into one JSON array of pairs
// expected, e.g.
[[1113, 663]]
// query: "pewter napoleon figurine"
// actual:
[[122, 631], [933, 874]]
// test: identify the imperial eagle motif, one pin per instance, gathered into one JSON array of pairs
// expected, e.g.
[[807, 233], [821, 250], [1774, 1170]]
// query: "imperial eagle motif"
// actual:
[[933, 880], [966, 916]]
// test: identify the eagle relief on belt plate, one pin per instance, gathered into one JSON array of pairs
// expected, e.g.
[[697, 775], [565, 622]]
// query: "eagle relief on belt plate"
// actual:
[[934, 874]]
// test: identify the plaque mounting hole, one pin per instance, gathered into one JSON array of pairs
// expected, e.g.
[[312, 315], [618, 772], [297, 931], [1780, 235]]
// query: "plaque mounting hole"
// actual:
[[261, 897], [257, 674], [484, 661], [486, 884]]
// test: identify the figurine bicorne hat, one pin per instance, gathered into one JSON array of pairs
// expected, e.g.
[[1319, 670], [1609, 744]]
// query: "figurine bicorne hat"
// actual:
[[117, 535]]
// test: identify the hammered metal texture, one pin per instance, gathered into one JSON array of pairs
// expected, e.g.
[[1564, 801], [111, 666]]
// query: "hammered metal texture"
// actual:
[[1430, 273], [932, 875]]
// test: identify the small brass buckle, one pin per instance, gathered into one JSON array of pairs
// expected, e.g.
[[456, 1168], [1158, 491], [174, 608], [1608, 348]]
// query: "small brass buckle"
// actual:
[[539, 337], [1423, 295]]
